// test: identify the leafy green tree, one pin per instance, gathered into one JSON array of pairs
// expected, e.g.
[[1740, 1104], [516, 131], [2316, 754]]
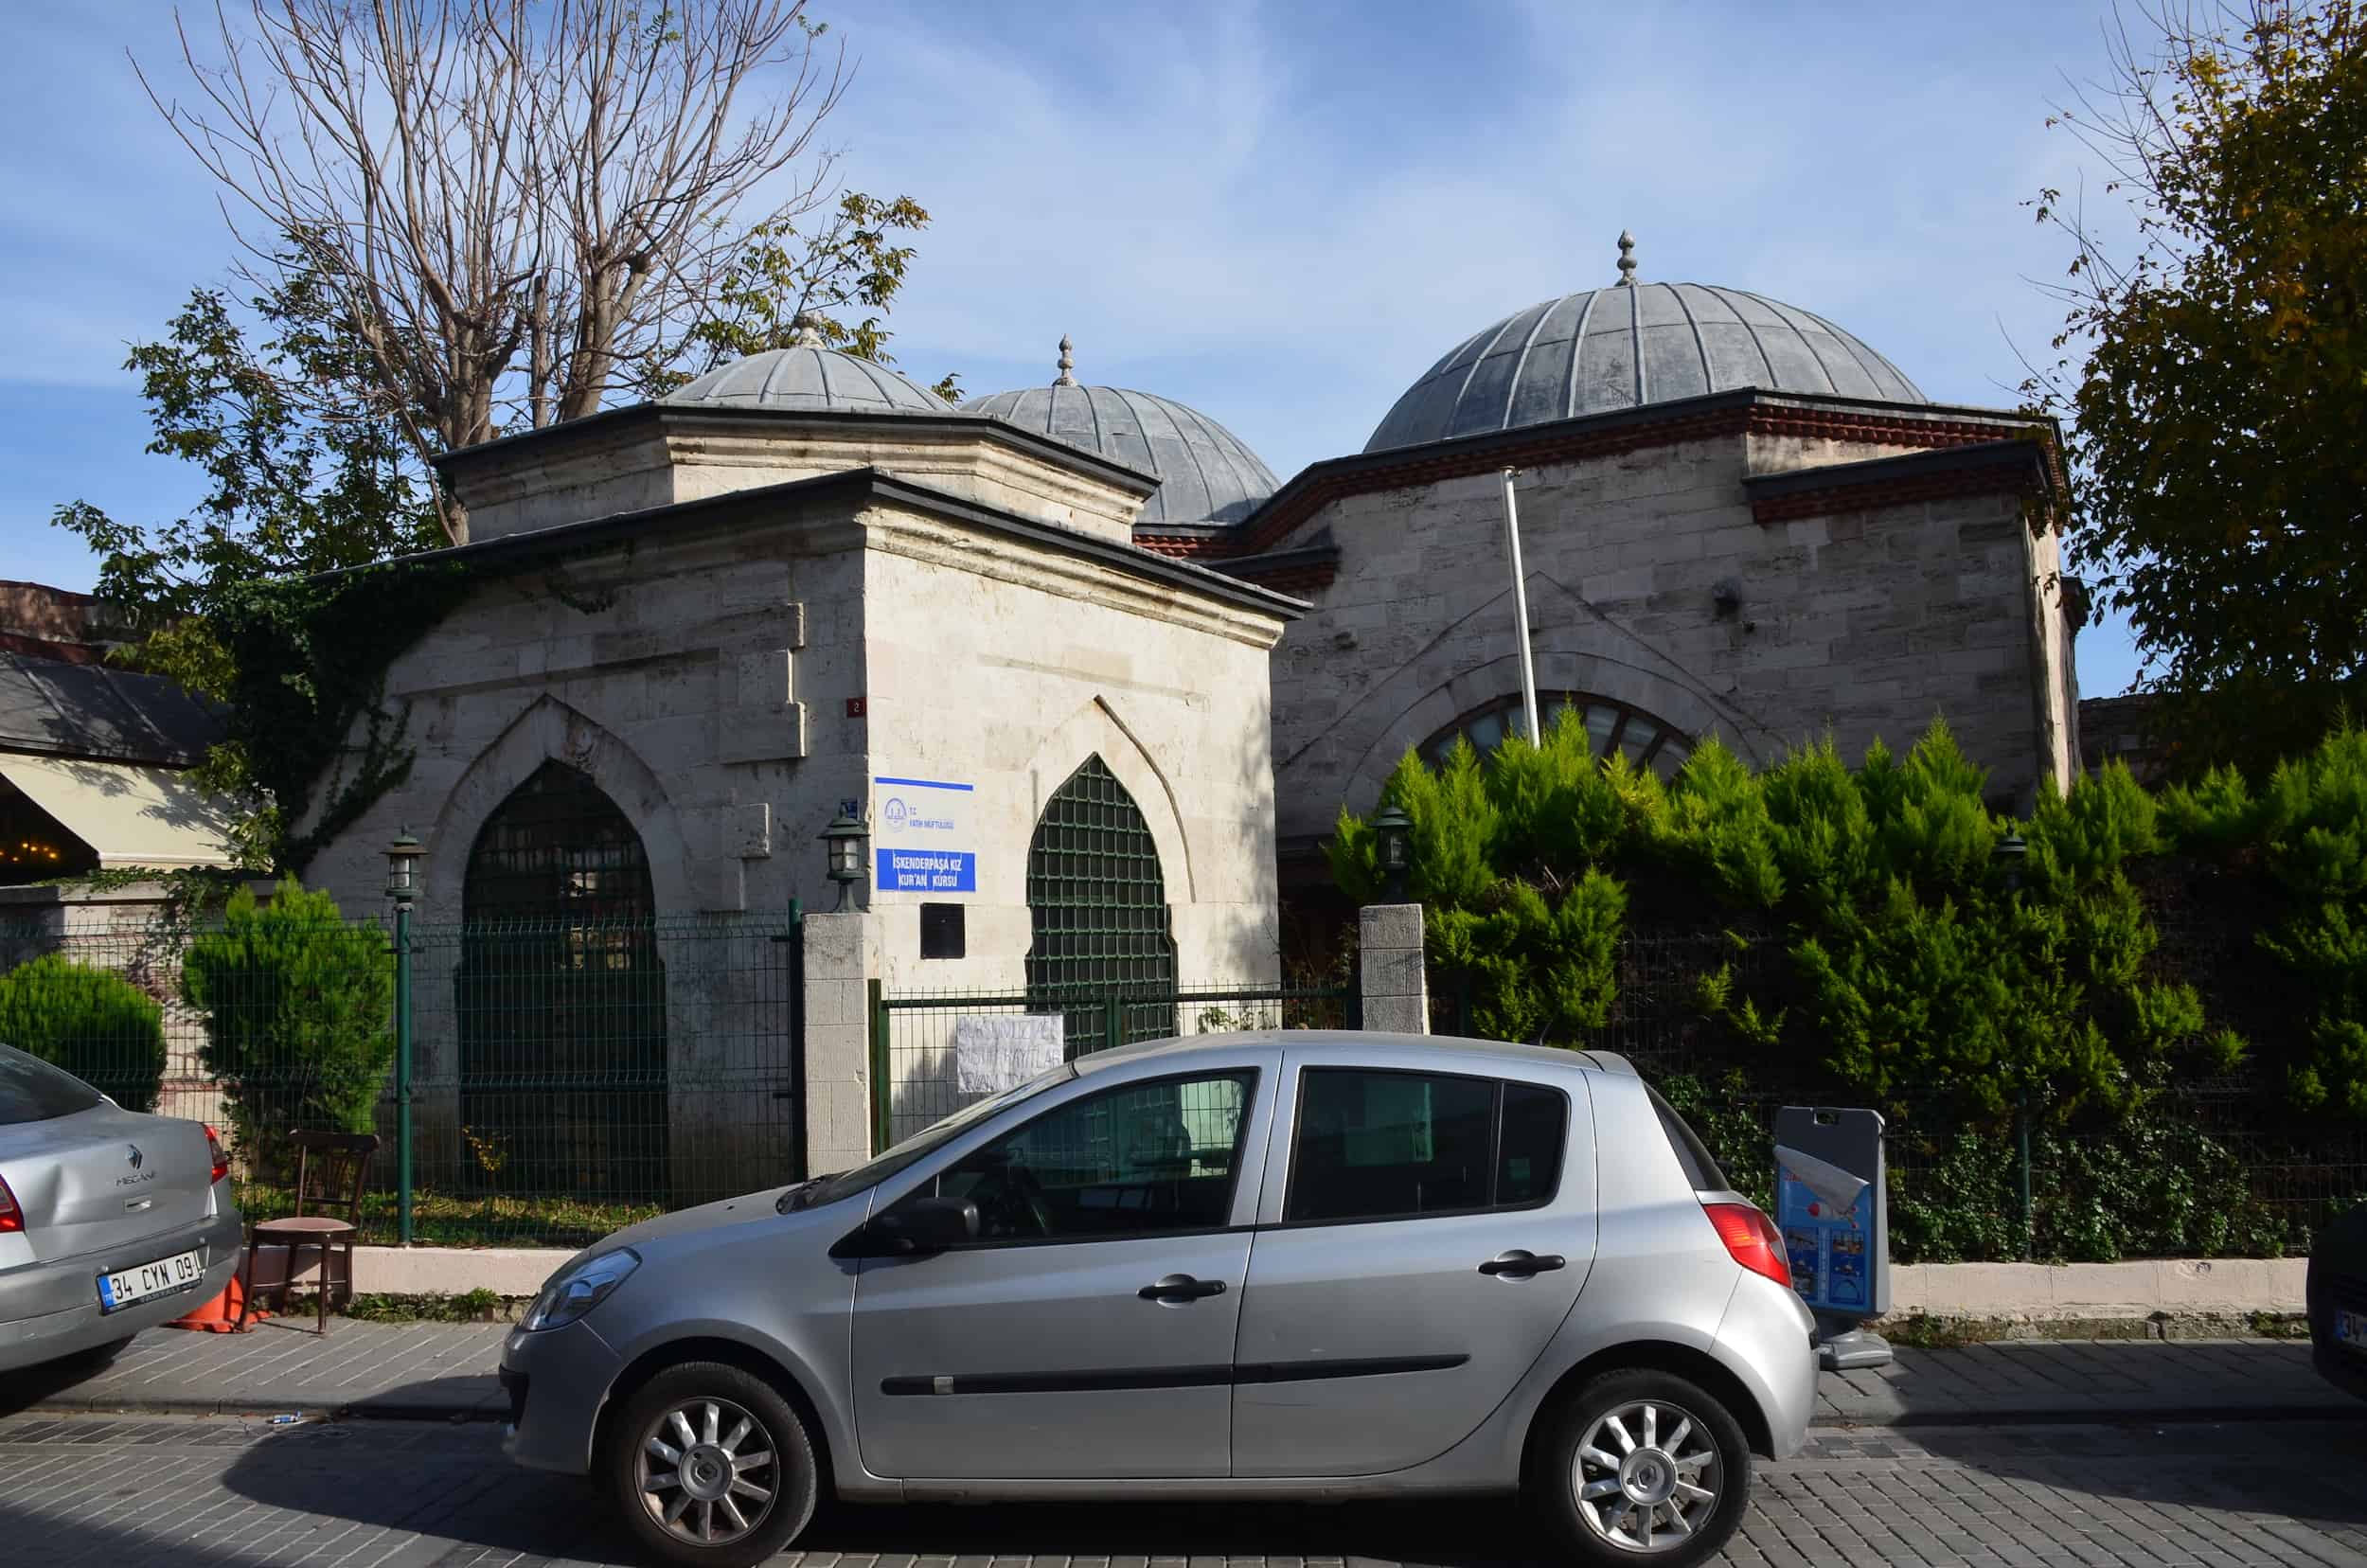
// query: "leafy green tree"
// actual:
[[291, 490], [298, 1008], [91, 1022], [2214, 372], [784, 282]]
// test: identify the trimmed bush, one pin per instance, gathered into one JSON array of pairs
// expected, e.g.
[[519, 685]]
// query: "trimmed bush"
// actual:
[[91, 1022], [298, 1013]]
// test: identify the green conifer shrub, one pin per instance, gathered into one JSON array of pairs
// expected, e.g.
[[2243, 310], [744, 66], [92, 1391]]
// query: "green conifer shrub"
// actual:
[[91, 1022], [299, 1006]]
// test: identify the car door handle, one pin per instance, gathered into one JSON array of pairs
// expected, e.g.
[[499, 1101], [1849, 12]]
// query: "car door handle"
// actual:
[[1518, 1264], [1181, 1288]]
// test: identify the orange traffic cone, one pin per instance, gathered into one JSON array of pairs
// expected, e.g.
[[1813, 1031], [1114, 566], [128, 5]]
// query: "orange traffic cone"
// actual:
[[220, 1315]]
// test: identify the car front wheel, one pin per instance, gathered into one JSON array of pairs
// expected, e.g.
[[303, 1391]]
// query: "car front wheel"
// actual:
[[710, 1467], [1643, 1466]]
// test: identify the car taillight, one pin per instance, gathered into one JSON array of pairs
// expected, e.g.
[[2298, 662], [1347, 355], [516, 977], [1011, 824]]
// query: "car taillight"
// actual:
[[213, 1147], [11, 1218], [1753, 1238]]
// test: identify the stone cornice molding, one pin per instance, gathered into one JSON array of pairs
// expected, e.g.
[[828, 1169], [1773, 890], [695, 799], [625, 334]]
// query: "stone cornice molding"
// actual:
[[1746, 412], [892, 527]]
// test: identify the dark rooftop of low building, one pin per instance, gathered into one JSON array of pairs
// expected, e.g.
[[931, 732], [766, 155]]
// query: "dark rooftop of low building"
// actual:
[[53, 707]]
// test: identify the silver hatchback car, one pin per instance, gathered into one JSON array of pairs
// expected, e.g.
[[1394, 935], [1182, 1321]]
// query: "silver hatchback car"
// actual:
[[1302, 1265]]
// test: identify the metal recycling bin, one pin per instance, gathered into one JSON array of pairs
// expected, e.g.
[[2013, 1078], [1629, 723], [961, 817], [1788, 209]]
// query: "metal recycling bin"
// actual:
[[1834, 1211]]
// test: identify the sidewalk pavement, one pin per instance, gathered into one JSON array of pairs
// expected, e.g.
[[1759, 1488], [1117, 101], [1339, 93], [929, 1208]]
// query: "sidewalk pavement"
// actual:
[[441, 1371]]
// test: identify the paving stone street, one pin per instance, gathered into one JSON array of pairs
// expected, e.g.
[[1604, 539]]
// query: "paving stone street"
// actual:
[[214, 1491]]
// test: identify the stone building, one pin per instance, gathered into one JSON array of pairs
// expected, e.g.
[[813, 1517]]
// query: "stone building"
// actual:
[[796, 587], [1098, 683], [1736, 518]]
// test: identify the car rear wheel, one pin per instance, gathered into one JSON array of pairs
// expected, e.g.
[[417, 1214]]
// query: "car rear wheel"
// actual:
[[1641, 1466], [710, 1467]]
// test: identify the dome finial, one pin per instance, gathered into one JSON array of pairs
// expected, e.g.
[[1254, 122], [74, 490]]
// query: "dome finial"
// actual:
[[806, 331], [1068, 363], [1627, 257]]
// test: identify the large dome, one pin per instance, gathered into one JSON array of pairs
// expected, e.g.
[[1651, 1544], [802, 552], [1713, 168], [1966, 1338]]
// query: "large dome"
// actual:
[[1629, 344], [1205, 472], [807, 379]]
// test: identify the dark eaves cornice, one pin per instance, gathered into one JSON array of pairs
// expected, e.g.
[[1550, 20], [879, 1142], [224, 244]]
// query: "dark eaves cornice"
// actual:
[[2015, 464]]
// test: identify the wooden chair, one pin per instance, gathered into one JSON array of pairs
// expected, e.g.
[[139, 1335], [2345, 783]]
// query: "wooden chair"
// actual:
[[332, 1169]]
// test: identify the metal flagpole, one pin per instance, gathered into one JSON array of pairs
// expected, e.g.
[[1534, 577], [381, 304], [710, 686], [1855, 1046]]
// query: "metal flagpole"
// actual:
[[1521, 611]]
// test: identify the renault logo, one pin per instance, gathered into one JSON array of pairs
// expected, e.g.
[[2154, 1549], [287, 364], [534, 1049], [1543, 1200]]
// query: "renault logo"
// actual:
[[137, 1157]]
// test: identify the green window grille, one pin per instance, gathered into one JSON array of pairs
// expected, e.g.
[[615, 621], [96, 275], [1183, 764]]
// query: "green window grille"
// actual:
[[1103, 955], [560, 998]]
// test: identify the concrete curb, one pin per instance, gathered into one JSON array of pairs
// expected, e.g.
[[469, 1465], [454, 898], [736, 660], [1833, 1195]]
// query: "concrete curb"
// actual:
[[2068, 1291]]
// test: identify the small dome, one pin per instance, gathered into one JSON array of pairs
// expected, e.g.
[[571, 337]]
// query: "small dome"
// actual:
[[806, 379], [1205, 472], [1629, 344]]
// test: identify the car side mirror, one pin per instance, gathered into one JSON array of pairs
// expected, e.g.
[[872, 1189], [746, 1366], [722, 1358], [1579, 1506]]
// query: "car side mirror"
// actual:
[[917, 1229]]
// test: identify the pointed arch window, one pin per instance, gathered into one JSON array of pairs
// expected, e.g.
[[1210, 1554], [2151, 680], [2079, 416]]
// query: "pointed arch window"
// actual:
[[561, 996], [1103, 954], [1614, 727]]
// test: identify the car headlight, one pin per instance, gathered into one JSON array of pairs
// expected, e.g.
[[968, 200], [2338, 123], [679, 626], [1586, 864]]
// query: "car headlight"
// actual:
[[579, 1288]]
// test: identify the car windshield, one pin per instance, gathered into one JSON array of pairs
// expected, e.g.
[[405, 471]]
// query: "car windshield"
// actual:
[[32, 1090], [829, 1189]]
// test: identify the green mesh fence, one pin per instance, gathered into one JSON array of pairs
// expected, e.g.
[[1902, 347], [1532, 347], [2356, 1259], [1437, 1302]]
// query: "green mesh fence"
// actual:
[[568, 1076]]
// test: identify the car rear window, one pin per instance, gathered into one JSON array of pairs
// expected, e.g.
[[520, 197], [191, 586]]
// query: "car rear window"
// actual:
[[1699, 1166], [1376, 1143], [32, 1090]]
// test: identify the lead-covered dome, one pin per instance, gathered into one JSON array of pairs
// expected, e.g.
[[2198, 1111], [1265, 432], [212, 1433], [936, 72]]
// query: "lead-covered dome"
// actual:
[[807, 379], [1629, 344], [1205, 472]]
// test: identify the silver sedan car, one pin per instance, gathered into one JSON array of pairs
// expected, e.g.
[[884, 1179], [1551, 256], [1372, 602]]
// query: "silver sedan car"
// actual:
[[111, 1222], [1302, 1265]]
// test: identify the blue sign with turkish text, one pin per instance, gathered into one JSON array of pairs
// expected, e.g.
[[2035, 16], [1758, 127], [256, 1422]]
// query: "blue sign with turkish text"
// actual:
[[927, 871], [922, 834]]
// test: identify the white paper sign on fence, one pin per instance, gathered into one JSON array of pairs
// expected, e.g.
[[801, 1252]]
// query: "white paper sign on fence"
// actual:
[[998, 1051]]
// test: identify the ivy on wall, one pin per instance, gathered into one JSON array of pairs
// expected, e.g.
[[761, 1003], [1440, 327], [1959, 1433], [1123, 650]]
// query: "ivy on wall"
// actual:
[[308, 660]]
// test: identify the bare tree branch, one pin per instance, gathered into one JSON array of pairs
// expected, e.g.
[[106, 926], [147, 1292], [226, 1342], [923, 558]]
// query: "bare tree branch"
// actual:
[[516, 203]]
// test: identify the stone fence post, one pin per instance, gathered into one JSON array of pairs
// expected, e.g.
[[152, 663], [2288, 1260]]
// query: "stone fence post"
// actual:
[[841, 952], [1390, 975]]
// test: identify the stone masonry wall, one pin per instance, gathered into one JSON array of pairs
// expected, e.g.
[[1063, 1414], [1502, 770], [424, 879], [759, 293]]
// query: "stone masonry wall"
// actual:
[[1862, 623], [1008, 677], [729, 691], [703, 687]]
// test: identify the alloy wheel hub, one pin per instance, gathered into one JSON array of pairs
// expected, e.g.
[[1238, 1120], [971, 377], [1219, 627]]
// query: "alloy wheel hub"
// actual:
[[706, 1472], [1648, 1476]]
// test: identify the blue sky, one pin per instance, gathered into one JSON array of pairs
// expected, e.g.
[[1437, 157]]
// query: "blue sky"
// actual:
[[1280, 214]]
